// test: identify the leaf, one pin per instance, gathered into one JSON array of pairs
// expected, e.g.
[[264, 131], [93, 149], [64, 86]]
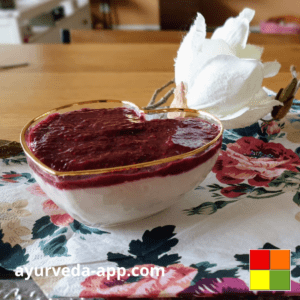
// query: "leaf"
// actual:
[[216, 195], [125, 261], [221, 204], [159, 239], [296, 198], [252, 130], [19, 161], [26, 175], [244, 260], [80, 228], [43, 227], [207, 208], [214, 187], [283, 178], [203, 272], [132, 279], [12, 257], [276, 183], [6, 161], [269, 246], [199, 188], [56, 247], [262, 193], [60, 231], [295, 259], [154, 243], [296, 272]]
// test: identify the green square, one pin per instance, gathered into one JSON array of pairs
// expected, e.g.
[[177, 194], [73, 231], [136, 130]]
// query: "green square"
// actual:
[[280, 280]]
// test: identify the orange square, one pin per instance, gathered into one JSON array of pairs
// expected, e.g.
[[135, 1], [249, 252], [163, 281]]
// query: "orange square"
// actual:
[[280, 259]]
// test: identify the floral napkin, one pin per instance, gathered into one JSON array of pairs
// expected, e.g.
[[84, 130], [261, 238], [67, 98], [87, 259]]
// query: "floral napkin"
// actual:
[[250, 200]]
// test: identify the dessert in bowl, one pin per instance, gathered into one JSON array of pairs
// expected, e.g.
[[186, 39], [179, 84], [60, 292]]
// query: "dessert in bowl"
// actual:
[[106, 162]]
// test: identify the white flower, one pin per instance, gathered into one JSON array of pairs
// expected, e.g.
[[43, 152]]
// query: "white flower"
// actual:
[[224, 75]]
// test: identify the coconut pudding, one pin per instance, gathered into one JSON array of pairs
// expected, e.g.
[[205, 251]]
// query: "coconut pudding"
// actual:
[[114, 165]]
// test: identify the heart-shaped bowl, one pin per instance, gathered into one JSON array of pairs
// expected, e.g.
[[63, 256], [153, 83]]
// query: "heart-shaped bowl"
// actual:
[[115, 195]]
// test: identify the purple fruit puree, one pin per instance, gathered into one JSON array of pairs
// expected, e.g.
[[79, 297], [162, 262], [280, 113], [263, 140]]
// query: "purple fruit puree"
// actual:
[[103, 138]]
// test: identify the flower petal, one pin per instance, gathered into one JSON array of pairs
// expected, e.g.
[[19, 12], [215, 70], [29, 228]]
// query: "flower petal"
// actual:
[[247, 13], [225, 84], [258, 107], [210, 49], [191, 43], [250, 51], [235, 31], [271, 68], [199, 33]]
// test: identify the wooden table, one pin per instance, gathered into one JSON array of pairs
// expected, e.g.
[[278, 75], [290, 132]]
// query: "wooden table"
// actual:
[[61, 74]]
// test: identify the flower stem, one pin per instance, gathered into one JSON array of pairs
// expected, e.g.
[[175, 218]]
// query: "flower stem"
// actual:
[[152, 101]]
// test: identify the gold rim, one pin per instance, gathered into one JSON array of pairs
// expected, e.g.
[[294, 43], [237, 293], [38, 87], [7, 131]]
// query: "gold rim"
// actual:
[[122, 168]]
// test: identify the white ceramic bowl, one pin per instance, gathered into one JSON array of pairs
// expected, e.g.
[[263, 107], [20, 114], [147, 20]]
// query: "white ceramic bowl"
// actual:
[[111, 196]]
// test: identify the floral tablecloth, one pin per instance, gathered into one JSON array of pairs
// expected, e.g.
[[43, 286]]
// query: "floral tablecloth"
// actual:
[[250, 200]]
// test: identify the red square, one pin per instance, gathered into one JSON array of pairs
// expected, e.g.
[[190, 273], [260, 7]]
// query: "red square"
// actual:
[[259, 259]]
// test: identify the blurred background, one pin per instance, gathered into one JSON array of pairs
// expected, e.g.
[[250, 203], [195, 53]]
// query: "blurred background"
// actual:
[[40, 21], [178, 14]]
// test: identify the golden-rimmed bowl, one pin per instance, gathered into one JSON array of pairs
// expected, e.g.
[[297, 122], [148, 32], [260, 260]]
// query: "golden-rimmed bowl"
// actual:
[[111, 196]]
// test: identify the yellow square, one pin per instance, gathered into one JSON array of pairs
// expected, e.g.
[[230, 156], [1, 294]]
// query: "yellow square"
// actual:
[[259, 280]]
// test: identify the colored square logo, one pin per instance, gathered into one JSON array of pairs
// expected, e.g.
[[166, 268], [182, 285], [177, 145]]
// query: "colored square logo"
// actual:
[[280, 259], [270, 270], [259, 259], [280, 280], [259, 280]]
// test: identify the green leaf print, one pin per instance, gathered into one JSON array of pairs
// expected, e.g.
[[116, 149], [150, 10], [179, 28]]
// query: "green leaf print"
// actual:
[[203, 272], [43, 227], [80, 228], [56, 247], [150, 249], [296, 198], [12, 257]]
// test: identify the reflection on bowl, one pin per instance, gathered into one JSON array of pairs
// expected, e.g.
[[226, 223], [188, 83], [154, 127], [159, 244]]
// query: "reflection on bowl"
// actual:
[[119, 194]]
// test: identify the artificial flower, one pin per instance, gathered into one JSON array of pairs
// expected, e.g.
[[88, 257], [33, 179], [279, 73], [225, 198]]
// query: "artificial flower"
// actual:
[[223, 75]]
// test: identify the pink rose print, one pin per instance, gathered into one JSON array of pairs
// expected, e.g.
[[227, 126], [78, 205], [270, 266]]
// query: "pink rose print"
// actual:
[[10, 177], [254, 160], [57, 215], [270, 128], [176, 278], [36, 190], [231, 286]]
